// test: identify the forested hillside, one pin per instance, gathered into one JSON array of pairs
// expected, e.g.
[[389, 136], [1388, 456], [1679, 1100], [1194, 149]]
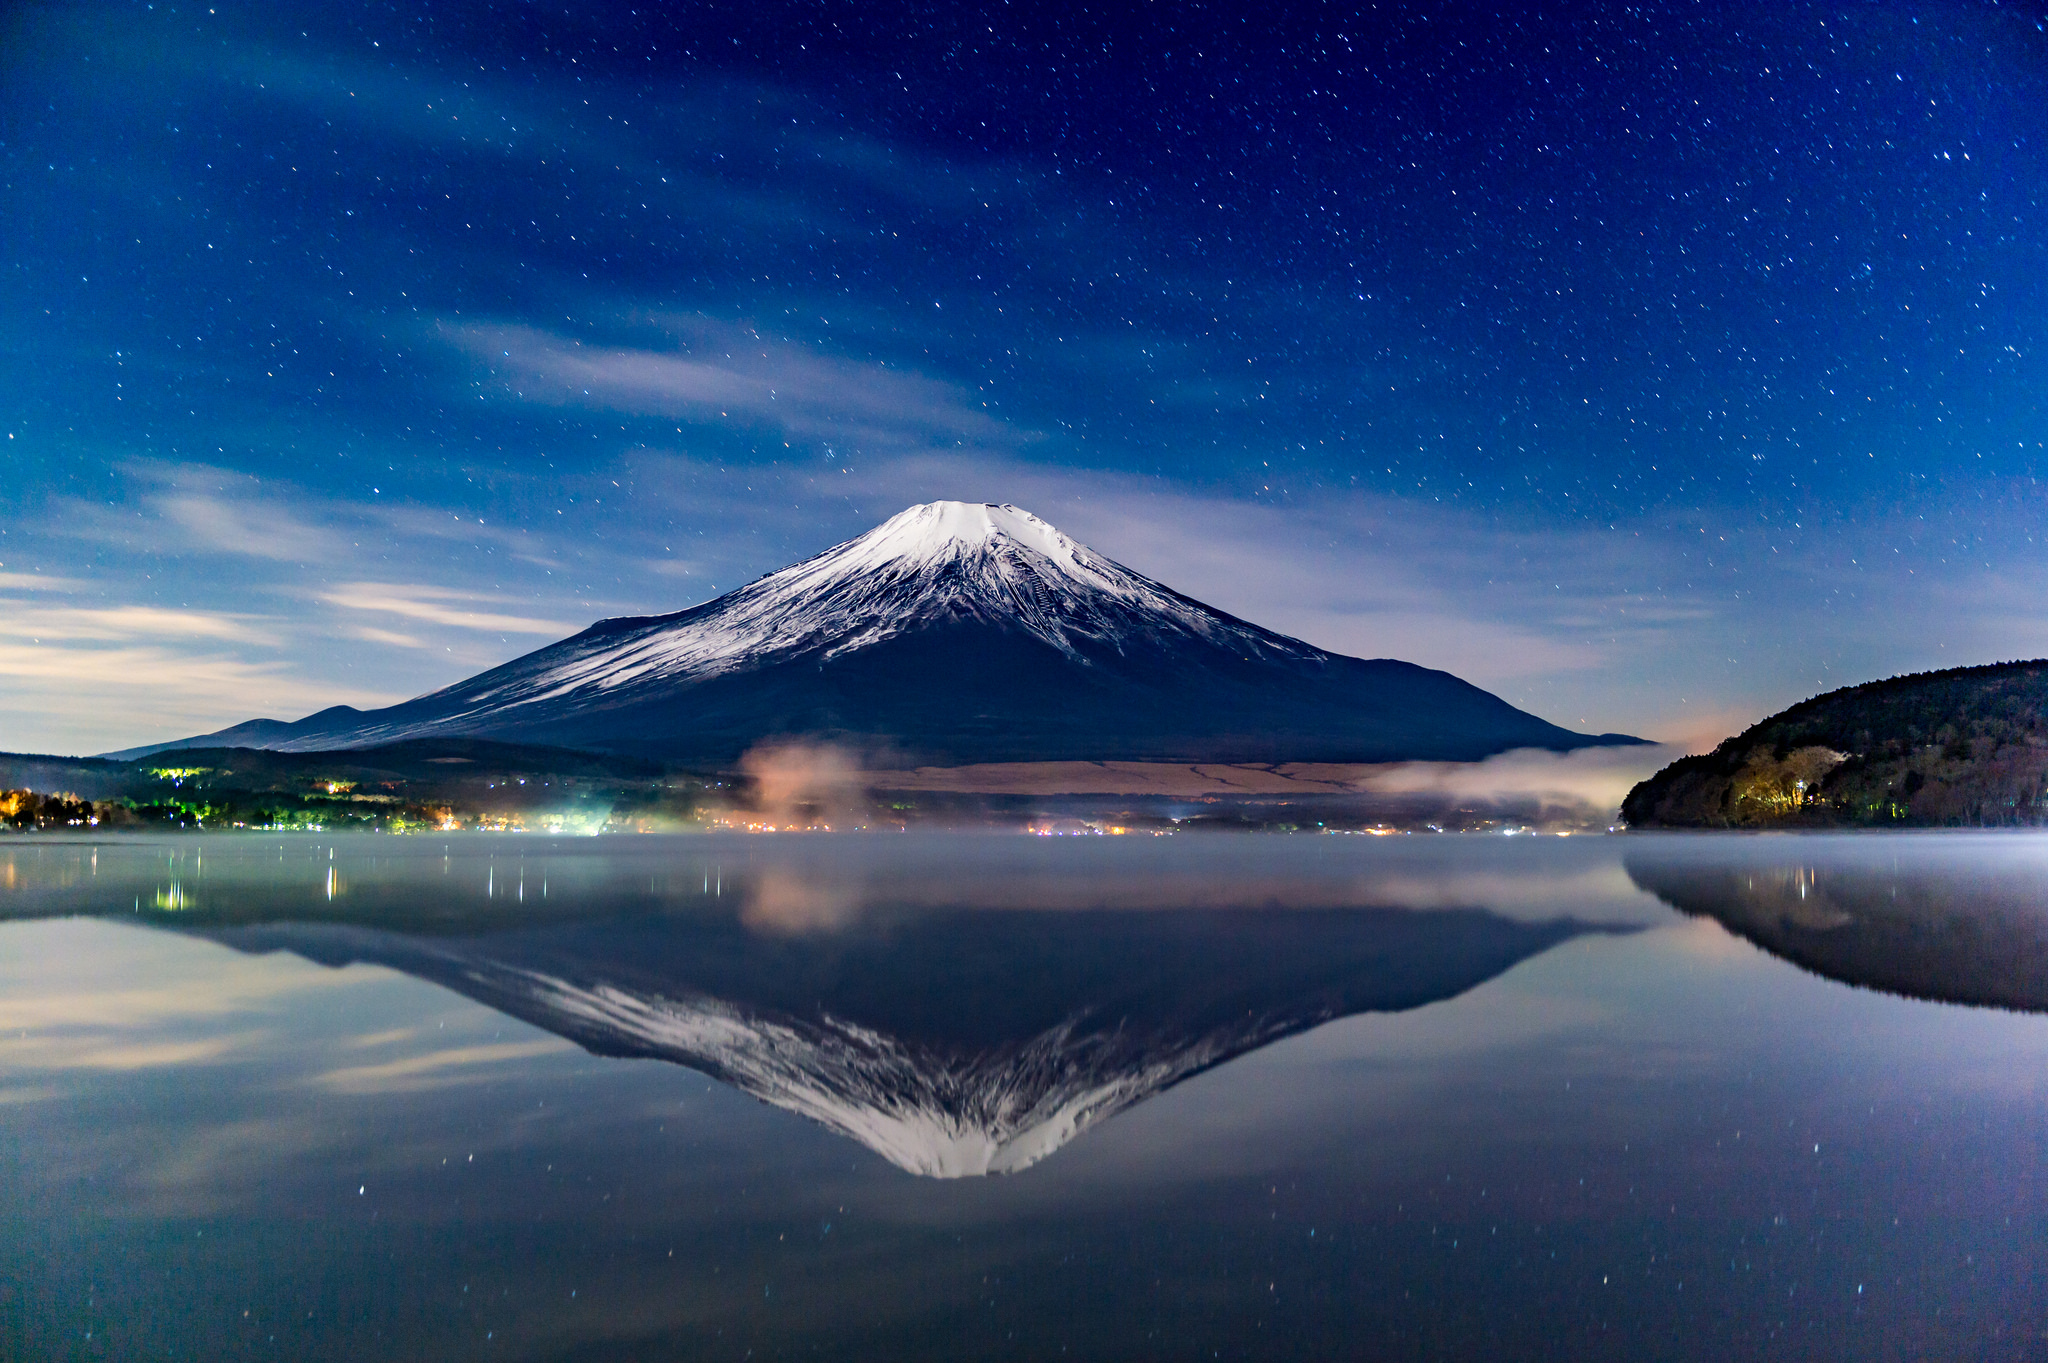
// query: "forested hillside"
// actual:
[[1966, 747]]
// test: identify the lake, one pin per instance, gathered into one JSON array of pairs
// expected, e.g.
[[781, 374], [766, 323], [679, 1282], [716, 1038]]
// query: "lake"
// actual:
[[985, 1097]]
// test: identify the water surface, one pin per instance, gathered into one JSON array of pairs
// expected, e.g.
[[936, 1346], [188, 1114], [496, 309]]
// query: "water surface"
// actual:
[[981, 1097]]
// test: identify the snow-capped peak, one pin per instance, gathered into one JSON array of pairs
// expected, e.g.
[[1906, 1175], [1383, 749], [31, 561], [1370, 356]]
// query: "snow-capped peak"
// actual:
[[997, 553], [936, 531]]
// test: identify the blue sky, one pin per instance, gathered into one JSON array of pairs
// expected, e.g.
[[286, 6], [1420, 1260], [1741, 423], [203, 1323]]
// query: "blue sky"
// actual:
[[1654, 366]]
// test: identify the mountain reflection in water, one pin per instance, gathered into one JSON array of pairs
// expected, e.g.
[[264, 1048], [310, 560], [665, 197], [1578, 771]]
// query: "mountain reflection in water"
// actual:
[[954, 1043], [1954, 920], [964, 1009], [968, 1006]]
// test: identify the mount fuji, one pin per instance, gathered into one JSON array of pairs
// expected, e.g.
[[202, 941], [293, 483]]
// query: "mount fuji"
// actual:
[[954, 632]]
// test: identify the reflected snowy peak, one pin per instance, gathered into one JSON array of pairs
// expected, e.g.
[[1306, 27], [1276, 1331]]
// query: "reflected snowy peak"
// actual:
[[951, 1044]]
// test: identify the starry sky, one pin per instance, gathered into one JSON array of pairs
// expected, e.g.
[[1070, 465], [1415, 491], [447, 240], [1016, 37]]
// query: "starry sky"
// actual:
[[1653, 365]]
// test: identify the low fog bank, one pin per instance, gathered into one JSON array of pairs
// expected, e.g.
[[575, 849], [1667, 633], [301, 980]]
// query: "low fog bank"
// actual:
[[1585, 787], [793, 785]]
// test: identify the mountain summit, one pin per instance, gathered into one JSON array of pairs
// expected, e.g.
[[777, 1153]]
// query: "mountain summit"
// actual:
[[952, 632]]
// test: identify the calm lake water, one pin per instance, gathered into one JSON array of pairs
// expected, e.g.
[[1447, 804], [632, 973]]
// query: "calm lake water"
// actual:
[[977, 1097]]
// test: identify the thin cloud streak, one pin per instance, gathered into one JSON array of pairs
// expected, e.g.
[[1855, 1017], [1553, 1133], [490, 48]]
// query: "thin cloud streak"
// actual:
[[257, 529], [192, 508], [117, 624], [37, 582], [436, 1068], [732, 375], [371, 634], [416, 602]]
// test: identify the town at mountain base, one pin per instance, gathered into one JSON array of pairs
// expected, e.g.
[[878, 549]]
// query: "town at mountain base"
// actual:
[[1964, 747], [952, 633]]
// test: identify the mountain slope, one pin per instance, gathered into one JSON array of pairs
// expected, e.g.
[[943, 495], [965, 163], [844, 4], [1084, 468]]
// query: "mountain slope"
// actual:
[[953, 632]]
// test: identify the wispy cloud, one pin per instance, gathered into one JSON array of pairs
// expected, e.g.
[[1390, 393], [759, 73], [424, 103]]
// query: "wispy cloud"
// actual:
[[436, 1068], [500, 532], [93, 1053], [38, 582], [198, 509], [371, 634], [120, 624], [136, 668], [439, 606], [256, 527], [722, 374]]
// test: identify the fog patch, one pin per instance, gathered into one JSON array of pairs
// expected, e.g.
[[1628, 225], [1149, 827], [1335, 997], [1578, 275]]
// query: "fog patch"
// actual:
[[1584, 787], [802, 785]]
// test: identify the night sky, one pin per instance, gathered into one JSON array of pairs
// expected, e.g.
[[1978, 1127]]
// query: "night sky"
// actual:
[[1652, 365]]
